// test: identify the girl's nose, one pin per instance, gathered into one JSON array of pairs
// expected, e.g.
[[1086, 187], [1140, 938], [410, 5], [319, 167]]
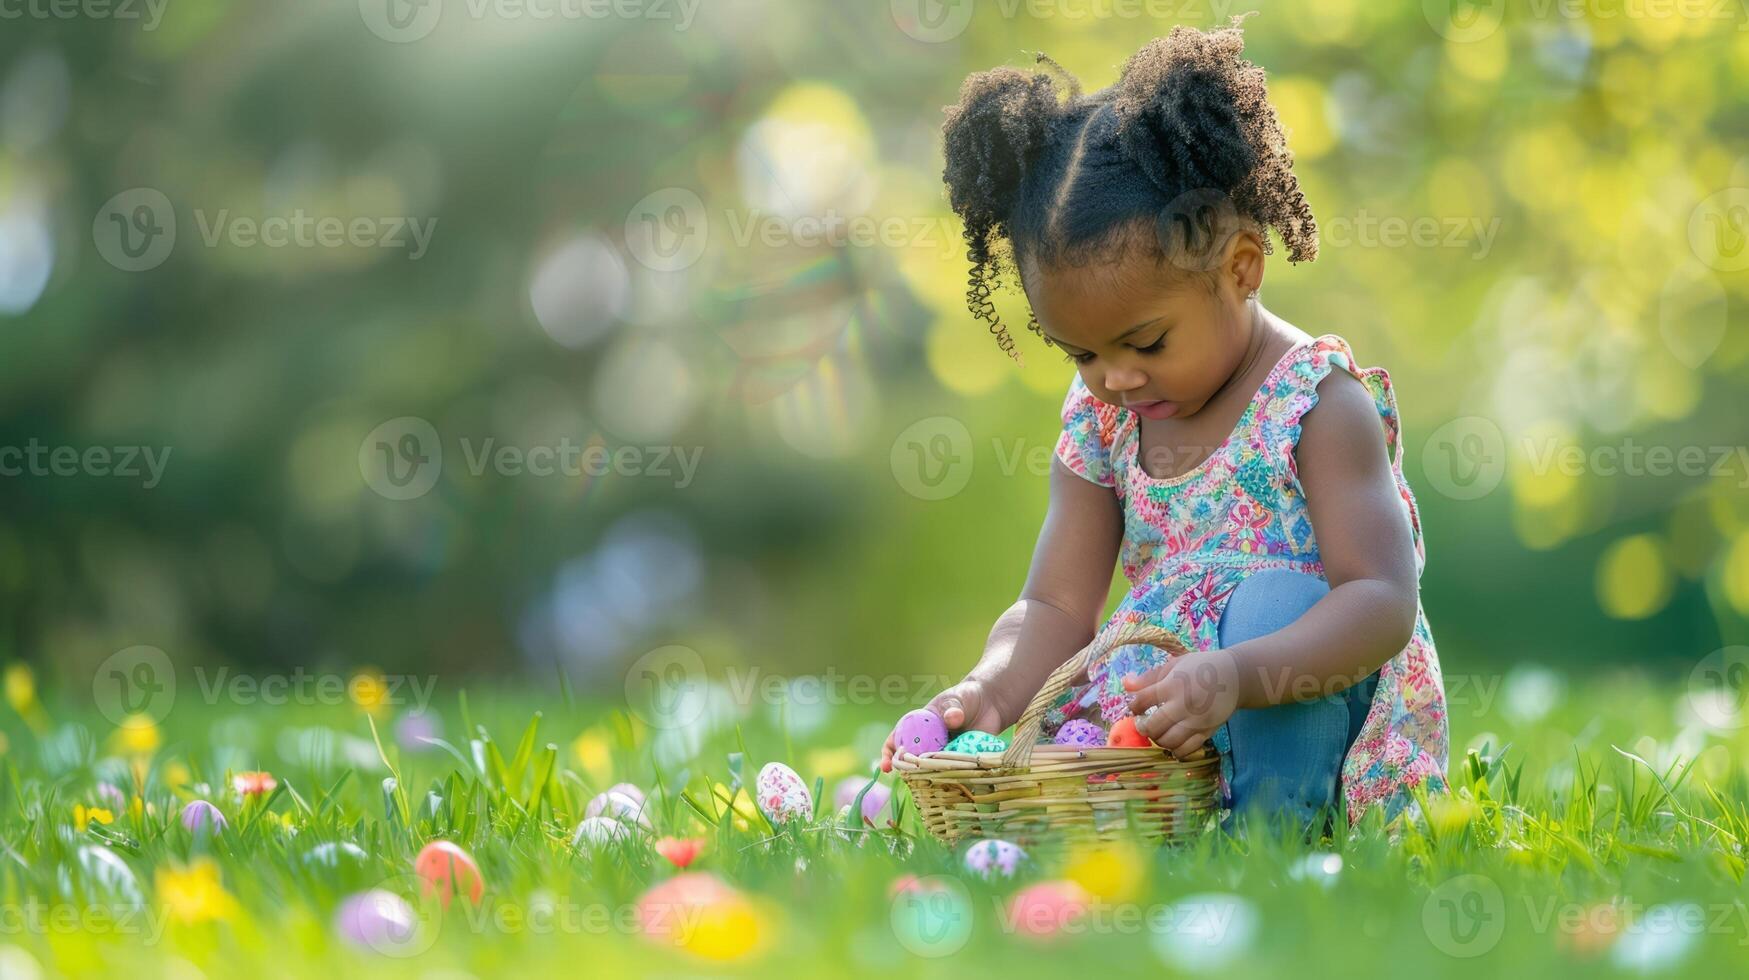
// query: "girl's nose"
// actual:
[[1124, 379]]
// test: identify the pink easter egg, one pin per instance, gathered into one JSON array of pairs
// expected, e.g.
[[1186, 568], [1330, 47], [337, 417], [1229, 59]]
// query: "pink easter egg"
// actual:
[[992, 856], [1080, 733], [448, 869], [781, 794], [921, 731], [1044, 911]]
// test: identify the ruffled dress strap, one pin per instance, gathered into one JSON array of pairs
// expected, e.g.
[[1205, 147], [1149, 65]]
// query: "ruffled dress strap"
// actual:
[[1295, 394]]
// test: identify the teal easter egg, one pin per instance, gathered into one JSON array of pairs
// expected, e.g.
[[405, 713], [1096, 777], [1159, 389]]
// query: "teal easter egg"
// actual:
[[977, 742]]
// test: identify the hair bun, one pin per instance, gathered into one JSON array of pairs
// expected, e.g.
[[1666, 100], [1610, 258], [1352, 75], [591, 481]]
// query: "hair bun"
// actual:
[[1002, 120], [1181, 116]]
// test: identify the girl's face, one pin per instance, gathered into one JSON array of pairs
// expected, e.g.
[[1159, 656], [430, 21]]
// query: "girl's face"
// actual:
[[1146, 335]]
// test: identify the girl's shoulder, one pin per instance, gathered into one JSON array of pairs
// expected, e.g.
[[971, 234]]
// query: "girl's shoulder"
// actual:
[[1091, 430]]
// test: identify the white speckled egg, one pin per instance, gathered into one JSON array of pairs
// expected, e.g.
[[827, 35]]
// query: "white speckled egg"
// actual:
[[991, 856], [781, 794], [600, 832]]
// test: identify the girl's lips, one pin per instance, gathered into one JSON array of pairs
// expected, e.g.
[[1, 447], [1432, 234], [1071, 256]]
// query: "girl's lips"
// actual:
[[1156, 410]]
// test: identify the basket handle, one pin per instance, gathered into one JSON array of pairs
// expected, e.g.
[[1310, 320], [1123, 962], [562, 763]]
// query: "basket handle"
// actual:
[[1019, 752]]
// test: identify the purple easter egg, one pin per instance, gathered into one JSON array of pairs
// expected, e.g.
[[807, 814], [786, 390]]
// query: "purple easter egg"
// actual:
[[992, 856], [199, 816], [379, 920], [412, 730], [921, 731], [872, 804], [1081, 733]]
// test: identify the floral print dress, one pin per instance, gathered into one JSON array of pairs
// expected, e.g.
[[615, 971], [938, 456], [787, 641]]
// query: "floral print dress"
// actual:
[[1189, 540]]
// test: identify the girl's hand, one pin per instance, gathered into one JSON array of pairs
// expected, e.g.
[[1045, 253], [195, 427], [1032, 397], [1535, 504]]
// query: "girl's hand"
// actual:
[[967, 705], [1196, 694]]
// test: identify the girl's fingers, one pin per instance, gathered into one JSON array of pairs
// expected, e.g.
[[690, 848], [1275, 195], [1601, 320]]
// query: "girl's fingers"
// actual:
[[1191, 744], [1147, 697], [1156, 724], [1176, 737], [952, 712], [1148, 678]]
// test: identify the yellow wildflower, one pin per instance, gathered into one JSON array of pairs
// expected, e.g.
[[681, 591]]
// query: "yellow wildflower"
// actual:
[[20, 688], [83, 816], [138, 736], [370, 692], [20, 685], [194, 893], [745, 812], [594, 756]]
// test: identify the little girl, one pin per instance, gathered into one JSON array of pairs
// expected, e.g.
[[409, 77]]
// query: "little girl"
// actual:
[[1247, 475]]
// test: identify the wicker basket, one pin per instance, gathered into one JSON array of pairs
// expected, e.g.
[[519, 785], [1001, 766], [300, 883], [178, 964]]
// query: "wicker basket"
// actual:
[[1037, 795]]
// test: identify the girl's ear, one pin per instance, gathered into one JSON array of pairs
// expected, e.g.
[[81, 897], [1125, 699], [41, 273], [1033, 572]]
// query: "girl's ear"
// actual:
[[1241, 268]]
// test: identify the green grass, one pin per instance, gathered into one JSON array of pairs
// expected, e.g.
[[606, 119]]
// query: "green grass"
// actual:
[[1615, 796]]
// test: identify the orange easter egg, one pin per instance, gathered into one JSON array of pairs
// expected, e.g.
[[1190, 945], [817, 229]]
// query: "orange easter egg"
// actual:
[[447, 869], [1124, 735]]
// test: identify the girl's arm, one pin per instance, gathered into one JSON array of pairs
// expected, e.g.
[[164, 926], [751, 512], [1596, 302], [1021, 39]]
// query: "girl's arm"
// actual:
[[1367, 617], [1057, 612]]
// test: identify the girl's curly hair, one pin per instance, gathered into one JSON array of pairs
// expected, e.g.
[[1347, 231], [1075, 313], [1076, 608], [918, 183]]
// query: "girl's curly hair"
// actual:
[[1185, 145]]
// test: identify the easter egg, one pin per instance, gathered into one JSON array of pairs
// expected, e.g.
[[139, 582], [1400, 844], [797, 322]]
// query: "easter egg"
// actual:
[[106, 874], [617, 805], [331, 853], [781, 794], [626, 789], [972, 742], [990, 856], [446, 869], [1124, 735], [872, 803], [378, 920], [199, 817], [920, 731], [1080, 732], [1046, 910], [1206, 932], [596, 832]]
